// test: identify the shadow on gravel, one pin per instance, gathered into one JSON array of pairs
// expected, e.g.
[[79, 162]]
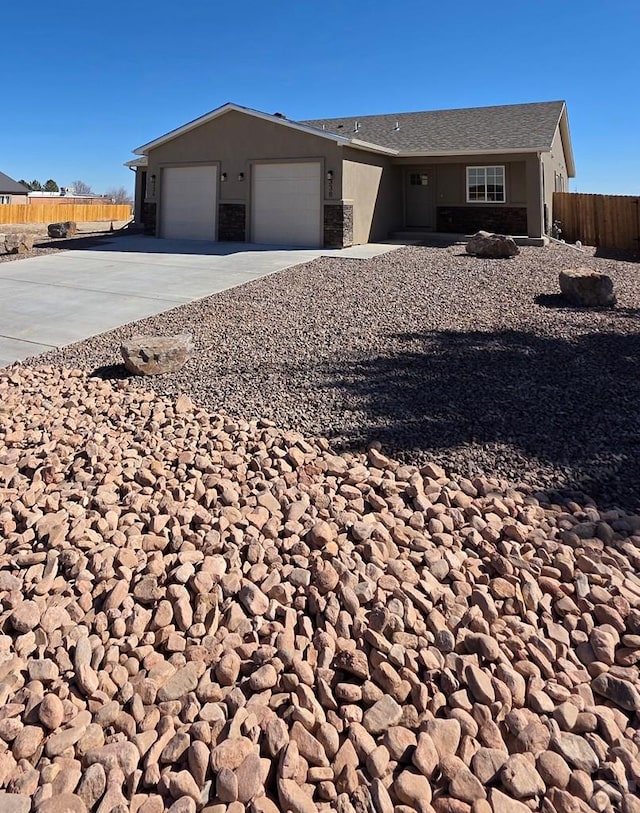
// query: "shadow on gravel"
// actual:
[[558, 302], [617, 254], [569, 405], [111, 372]]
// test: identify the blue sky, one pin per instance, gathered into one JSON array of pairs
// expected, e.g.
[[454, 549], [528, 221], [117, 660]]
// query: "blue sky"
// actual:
[[86, 83]]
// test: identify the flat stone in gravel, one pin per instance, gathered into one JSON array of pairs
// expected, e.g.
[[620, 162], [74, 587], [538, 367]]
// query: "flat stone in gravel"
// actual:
[[14, 802], [183, 681], [156, 355], [382, 715], [619, 691], [576, 751]]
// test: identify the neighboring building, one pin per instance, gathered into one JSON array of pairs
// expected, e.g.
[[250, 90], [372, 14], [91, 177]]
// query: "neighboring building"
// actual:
[[11, 191], [65, 196], [239, 174]]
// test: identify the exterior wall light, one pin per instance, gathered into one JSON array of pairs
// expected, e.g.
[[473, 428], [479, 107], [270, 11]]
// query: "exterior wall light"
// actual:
[[152, 190], [241, 176], [330, 175], [223, 176]]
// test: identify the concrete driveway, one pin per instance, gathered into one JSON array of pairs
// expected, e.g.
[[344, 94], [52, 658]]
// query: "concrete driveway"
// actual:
[[58, 299]]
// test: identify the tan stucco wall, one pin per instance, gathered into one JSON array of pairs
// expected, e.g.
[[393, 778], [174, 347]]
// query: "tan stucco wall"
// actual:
[[371, 184], [553, 163], [450, 177], [234, 141], [523, 181]]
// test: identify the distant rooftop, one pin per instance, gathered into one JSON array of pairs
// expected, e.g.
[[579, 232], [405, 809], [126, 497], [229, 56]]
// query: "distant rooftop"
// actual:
[[10, 187]]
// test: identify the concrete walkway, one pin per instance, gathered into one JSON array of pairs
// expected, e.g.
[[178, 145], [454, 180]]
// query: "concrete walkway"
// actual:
[[58, 299]]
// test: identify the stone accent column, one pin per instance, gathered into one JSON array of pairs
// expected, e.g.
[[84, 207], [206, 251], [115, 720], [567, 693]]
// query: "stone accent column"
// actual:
[[338, 225], [232, 222], [149, 218], [535, 203]]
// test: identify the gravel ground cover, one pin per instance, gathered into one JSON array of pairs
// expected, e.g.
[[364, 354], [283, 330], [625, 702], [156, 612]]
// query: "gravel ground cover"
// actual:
[[88, 235], [204, 615], [437, 355]]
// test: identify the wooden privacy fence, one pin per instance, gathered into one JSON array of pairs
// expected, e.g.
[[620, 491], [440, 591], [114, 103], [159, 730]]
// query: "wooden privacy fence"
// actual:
[[47, 213], [609, 221]]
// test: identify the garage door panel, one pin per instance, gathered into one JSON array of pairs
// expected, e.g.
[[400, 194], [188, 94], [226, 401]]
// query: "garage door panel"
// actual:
[[286, 203], [188, 203]]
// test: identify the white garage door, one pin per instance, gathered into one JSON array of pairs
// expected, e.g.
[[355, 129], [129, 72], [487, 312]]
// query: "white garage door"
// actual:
[[188, 203], [286, 204]]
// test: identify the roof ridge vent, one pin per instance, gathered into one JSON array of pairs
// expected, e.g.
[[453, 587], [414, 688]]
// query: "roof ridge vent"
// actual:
[[396, 126], [356, 126]]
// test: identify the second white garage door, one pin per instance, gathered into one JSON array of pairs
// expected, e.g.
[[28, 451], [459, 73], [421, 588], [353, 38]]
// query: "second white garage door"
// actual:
[[188, 203], [286, 204]]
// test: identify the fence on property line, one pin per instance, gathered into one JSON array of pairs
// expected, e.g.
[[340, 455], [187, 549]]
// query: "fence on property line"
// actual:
[[609, 221], [47, 213]]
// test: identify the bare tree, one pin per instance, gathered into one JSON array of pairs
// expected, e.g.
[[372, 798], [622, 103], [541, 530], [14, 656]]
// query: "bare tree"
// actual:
[[81, 188], [119, 194]]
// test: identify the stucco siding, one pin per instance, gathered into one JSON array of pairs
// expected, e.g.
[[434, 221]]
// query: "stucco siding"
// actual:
[[555, 173], [517, 183], [373, 185], [234, 141], [449, 184]]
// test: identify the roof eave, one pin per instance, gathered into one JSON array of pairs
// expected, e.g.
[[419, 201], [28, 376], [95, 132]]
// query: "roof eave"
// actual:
[[563, 124], [370, 147], [143, 161], [446, 153], [229, 107]]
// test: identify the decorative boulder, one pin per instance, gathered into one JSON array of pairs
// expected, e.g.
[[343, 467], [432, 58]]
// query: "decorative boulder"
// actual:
[[17, 243], [155, 355], [66, 229], [586, 288], [497, 246]]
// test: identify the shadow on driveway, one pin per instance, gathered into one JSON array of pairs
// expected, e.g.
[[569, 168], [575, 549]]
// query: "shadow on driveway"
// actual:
[[121, 241]]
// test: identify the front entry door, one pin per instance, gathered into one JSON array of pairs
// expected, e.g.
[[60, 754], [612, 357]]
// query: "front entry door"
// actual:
[[418, 190]]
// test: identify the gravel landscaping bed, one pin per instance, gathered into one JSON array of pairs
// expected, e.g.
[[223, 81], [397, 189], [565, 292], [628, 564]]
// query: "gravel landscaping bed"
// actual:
[[88, 236], [437, 355], [202, 615]]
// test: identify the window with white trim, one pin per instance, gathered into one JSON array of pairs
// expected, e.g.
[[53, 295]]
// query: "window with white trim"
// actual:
[[5, 199], [485, 185]]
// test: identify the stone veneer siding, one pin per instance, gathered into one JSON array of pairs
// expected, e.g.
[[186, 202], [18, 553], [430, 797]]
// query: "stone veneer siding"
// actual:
[[469, 219], [149, 218], [338, 225], [232, 222]]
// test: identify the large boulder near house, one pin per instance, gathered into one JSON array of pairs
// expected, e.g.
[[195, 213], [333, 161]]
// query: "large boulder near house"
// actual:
[[16, 243], [496, 246], [587, 288], [155, 355], [66, 229]]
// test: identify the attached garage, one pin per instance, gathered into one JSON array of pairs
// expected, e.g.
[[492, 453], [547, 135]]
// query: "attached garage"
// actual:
[[189, 202], [286, 203]]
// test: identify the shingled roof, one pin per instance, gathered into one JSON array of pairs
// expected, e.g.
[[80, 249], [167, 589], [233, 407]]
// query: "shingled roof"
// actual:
[[10, 187], [473, 129]]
